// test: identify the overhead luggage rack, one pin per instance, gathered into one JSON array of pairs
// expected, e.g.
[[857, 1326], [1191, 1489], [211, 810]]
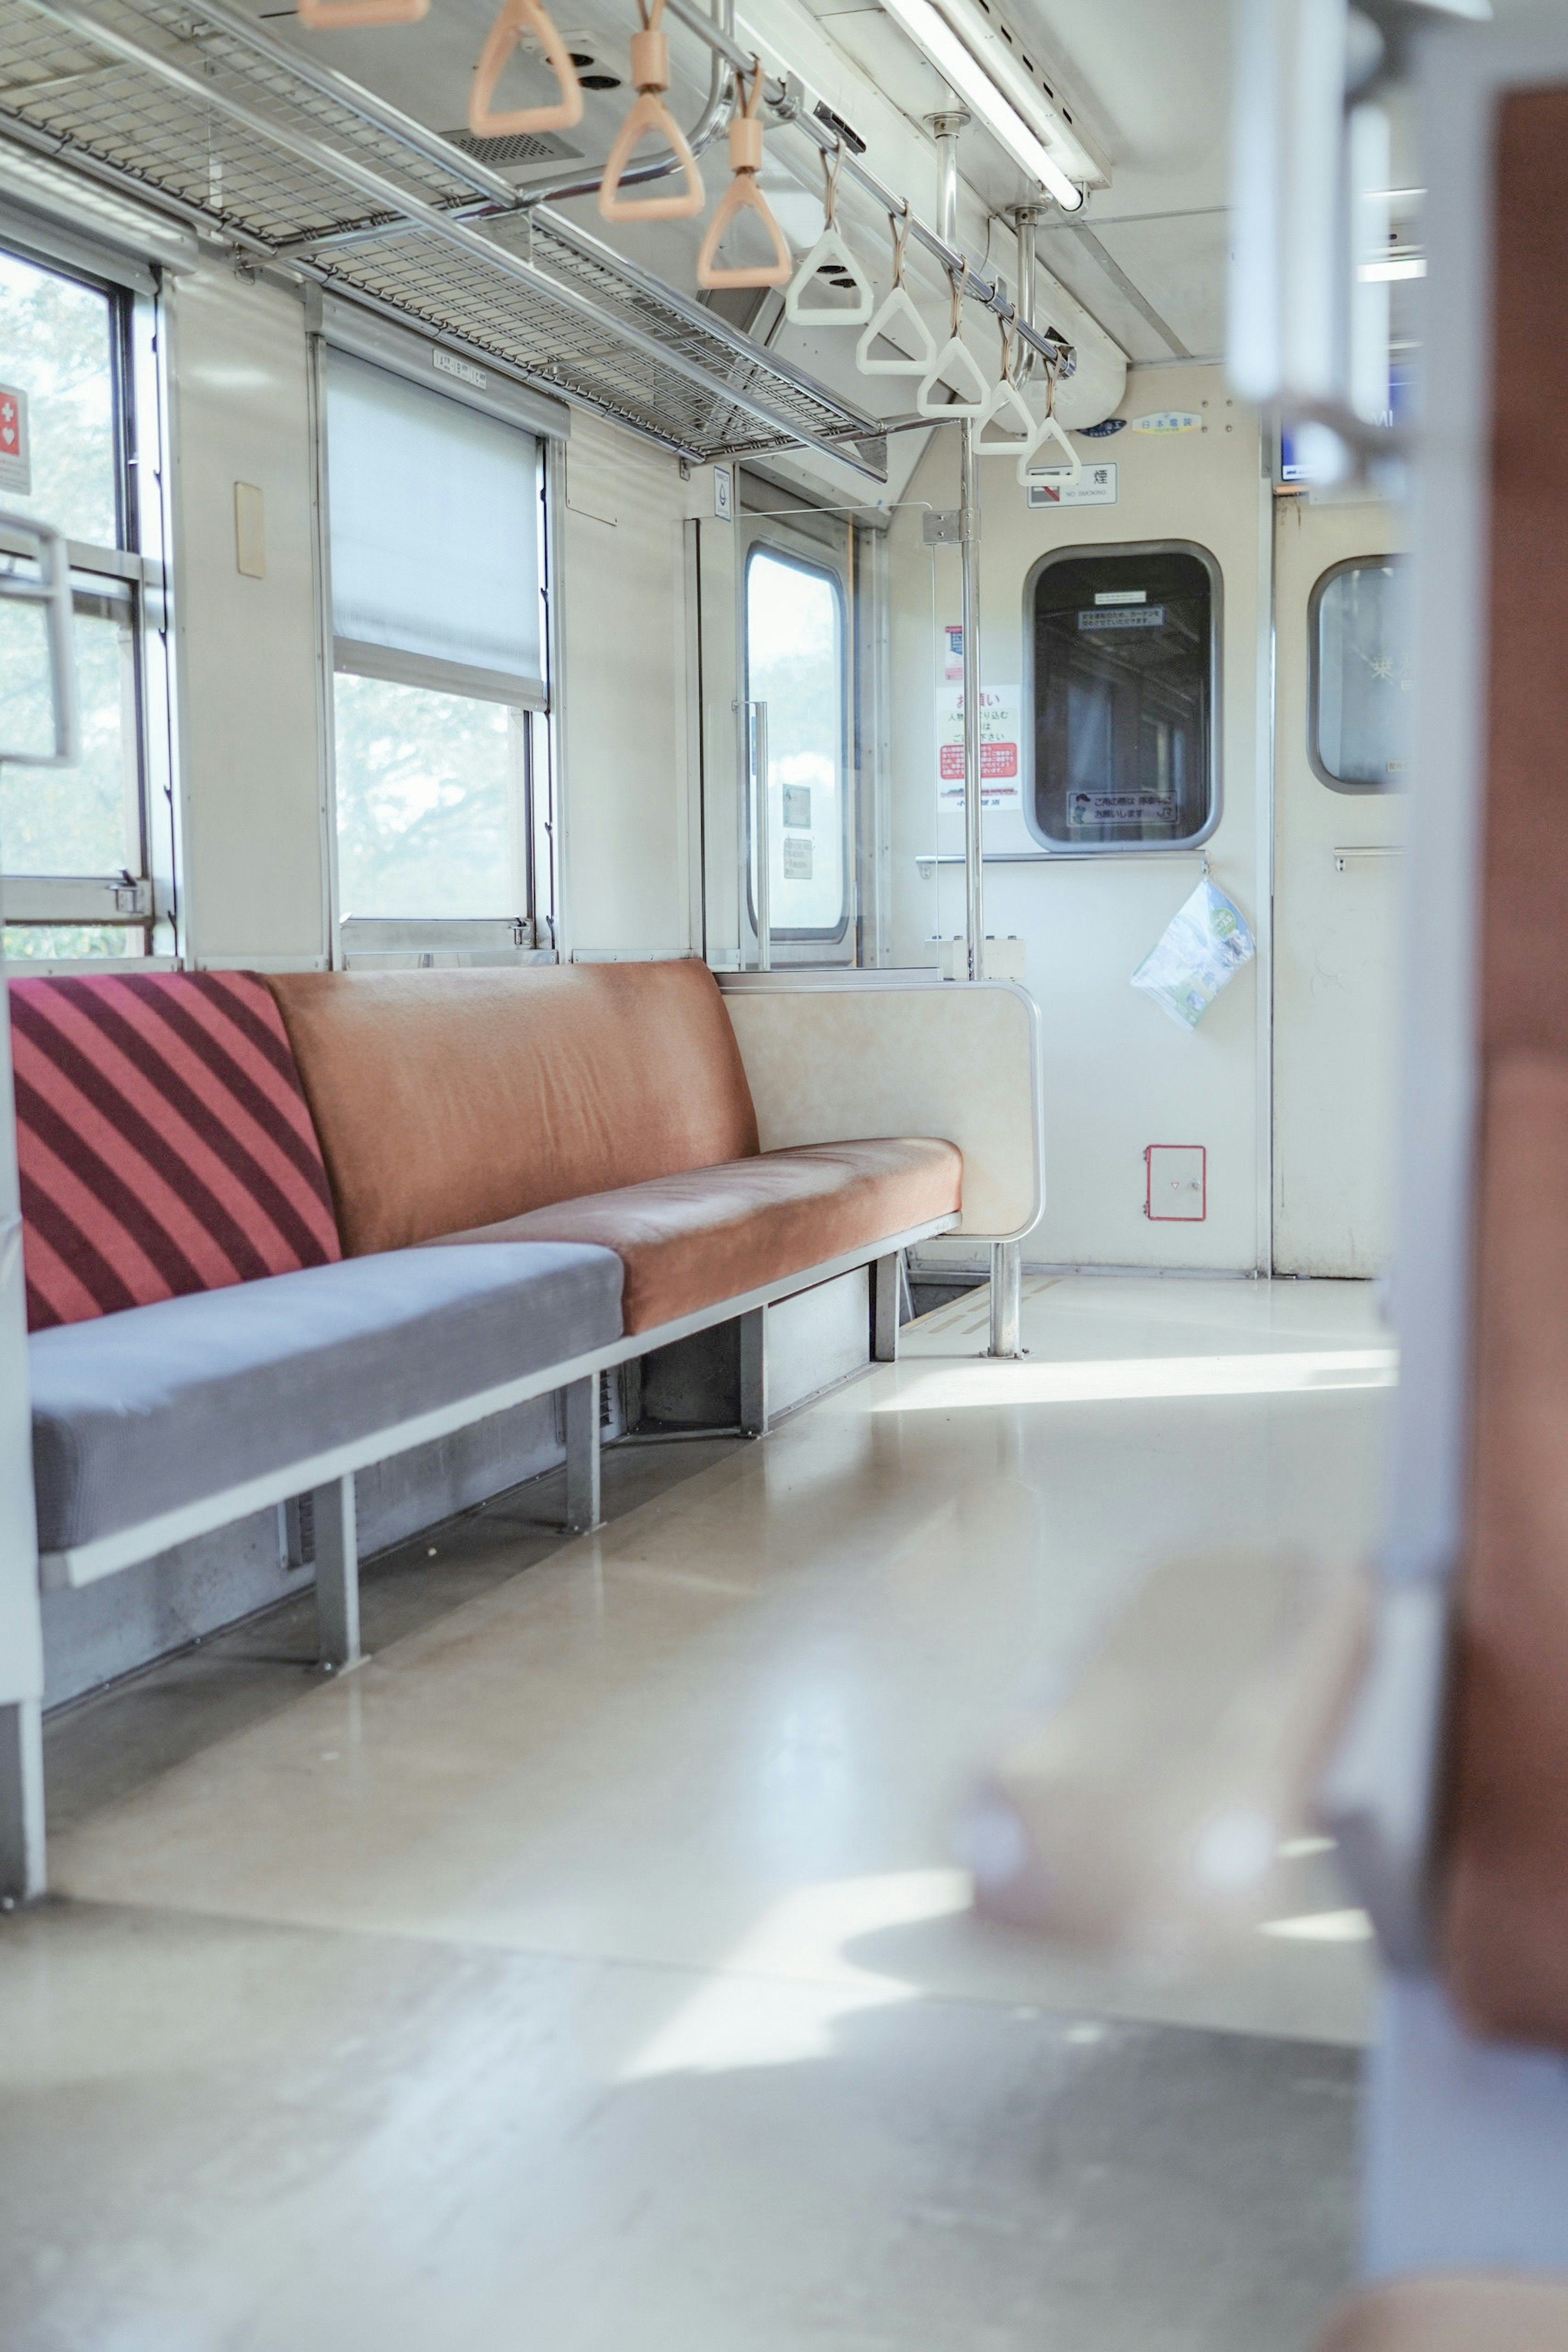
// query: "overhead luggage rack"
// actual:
[[194, 105]]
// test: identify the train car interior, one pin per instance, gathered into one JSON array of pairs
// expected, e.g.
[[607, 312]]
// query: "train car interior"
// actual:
[[783, 1176]]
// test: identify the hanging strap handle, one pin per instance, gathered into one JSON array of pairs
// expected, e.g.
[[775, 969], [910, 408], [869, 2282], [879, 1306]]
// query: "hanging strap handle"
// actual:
[[515, 18], [650, 115], [742, 194], [900, 227], [831, 158], [328, 16]]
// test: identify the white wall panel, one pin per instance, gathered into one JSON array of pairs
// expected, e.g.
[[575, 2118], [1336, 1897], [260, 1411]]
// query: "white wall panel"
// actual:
[[248, 647], [626, 658]]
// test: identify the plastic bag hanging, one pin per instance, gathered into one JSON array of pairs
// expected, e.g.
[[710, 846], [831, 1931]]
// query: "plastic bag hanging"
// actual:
[[744, 194], [1199, 952], [1009, 408], [897, 311], [651, 77], [829, 253], [517, 18], [953, 365]]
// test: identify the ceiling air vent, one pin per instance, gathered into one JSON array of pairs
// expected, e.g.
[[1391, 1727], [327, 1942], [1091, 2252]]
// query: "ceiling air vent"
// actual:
[[521, 147]]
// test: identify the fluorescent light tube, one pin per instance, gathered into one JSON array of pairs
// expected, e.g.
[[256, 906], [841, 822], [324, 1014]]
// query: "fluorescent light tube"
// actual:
[[986, 100], [1062, 143]]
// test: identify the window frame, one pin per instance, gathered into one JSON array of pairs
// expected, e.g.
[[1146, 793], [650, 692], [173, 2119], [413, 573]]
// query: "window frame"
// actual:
[[1129, 548], [803, 554], [1315, 760], [443, 938], [125, 900]]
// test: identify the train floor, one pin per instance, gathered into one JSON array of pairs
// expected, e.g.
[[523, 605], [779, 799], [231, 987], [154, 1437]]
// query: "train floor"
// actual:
[[590, 1972]]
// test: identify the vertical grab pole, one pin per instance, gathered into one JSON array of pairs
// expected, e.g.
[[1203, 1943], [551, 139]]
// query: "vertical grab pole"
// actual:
[[944, 129], [974, 877], [762, 835]]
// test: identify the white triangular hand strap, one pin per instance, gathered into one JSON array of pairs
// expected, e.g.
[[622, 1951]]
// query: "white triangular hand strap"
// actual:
[[1011, 412], [897, 321], [829, 252], [954, 366], [1050, 430]]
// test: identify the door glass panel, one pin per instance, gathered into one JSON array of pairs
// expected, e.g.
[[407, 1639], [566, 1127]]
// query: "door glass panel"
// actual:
[[795, 664], [431, 802], [1123, 667], [1361, 698]]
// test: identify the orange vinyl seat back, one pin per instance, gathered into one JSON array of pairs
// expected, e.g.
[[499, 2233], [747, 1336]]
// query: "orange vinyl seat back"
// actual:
[[449, 1099]]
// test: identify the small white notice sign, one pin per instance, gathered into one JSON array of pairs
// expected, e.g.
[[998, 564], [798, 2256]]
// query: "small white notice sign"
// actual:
[[15, 458], [723, 494], [1000, 767], [1095, 487]]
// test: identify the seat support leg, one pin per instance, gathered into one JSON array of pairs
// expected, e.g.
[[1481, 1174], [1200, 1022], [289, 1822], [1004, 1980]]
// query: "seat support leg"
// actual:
[[884, 1305], [583, 1493], [337, 1573], [1007, 1299], [753, 1330], [21, 1865]]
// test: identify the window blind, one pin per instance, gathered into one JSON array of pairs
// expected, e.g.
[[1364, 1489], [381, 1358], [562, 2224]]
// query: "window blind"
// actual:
[[434, 520]]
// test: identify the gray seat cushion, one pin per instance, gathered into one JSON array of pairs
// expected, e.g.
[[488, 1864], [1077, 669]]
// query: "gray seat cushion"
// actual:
[[160, 1406]]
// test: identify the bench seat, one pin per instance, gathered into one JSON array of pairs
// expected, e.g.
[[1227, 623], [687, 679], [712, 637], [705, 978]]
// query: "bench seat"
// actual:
[[1455, 2313], [142, 1413], [689, 1242]]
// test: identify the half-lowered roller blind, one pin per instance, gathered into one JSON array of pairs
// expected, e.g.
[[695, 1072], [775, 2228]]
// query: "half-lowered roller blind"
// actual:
[[435, 535]]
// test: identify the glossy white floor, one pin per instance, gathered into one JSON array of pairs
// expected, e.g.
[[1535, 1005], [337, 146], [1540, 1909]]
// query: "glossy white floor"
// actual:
[[589, 1970]]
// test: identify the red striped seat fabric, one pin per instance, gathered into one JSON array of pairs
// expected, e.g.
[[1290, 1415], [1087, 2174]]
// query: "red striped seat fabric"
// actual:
[[163, 1140]]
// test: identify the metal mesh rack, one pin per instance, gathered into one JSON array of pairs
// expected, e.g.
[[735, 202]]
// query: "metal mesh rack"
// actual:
[[182, 99]]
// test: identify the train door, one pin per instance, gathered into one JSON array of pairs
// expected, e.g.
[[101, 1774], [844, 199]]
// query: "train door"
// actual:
[[798, 831], [1342, 719]]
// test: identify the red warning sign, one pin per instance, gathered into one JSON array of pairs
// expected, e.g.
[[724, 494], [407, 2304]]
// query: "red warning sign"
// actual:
[[15, 469]]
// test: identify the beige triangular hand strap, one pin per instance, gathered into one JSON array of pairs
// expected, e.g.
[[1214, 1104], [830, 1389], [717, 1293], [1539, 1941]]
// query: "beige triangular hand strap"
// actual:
[[650, 117], [517, 18], [744, 194]]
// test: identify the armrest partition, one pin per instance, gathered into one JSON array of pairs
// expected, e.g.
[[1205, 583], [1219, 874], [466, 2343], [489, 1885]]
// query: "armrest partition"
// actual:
[[1143, 1816], [832, 1058]]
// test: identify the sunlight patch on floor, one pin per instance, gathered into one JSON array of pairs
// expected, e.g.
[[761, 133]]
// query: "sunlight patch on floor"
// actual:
[[1126, 1379], [734, 2019]]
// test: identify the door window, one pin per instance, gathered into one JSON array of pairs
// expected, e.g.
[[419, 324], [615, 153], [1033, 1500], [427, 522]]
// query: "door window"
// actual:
[[1122, 695], [795, 666], [1359, 700]]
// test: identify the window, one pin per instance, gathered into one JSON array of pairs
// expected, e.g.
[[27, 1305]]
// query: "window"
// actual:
[[1121, 696], [1359, 700], [437, 619], [795, 668], [73, 841]]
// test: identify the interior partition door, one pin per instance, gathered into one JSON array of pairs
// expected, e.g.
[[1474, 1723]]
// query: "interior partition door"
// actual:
[[1342, 719]]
